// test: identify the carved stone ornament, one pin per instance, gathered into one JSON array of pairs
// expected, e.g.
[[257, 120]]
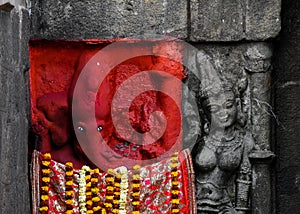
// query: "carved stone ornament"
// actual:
[[221, 156]]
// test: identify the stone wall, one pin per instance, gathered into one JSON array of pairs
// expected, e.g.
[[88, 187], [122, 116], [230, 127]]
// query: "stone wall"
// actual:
[[192, 20], [14, 106], [229, 23], [236, 34], [286, 90]]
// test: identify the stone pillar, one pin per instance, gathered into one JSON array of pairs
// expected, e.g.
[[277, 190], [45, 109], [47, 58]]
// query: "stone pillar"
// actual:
[[14, 65], [262, 188], [286, 90]]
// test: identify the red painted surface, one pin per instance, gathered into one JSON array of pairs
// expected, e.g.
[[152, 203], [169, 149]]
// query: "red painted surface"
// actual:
[[55, 66]]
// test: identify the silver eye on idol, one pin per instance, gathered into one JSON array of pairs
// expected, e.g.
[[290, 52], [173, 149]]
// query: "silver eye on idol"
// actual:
[[80, 128], [100, 128]]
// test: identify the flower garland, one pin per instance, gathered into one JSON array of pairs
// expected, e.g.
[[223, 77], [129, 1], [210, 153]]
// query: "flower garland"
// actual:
[[116, 200], [82, 189], [88, 192], [136, 190], [95, 191], [44, 203], [109, 194], [175, 189], [116, 189], [124, 190], [69, 187]]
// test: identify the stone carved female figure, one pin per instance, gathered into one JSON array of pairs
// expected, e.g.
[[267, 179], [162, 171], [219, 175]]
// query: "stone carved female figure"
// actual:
[[222, 155]]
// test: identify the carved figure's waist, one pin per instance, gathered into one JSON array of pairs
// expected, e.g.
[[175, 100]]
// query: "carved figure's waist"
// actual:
[[209, 193]]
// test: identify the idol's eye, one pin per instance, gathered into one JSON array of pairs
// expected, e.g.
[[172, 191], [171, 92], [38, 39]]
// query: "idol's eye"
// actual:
[[212, 108], [100, 128], [229, 104], [80, 128]]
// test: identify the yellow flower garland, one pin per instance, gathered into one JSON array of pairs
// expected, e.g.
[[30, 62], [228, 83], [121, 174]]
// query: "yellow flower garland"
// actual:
[[96, 207], [109, 193], [116, 190], [136, 190], [175, 190], [88, 193], [44, 203]]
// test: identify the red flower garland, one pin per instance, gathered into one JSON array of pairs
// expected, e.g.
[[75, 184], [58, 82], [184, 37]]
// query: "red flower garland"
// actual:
[[69, 187]]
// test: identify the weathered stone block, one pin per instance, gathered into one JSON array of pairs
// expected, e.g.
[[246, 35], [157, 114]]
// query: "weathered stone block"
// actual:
[[234, 20], [216, 20], [8, 5], [108, 19], [3, 89], [262, 19], [14, 187]]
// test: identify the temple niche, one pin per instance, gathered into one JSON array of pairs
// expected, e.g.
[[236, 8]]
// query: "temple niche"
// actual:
[[221, 97], [234, 41], [75, 138]]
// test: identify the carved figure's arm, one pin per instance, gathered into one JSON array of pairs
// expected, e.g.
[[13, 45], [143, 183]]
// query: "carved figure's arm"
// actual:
[[243, 182]]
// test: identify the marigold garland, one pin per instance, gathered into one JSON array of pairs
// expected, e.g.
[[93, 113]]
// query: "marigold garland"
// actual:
[[175, 190], [136, 190], [44, 203], [69, 187], [109, 192], [116, 190], [88, 193], [96, 204]]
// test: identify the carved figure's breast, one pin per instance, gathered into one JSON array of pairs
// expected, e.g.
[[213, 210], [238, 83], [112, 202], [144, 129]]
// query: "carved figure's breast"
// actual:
[[207, 159], [230, 160]]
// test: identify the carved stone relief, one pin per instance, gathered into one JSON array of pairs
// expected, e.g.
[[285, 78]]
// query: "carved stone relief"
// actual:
[[232, 142]]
